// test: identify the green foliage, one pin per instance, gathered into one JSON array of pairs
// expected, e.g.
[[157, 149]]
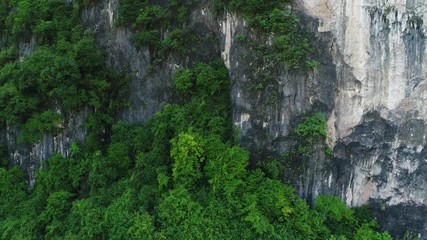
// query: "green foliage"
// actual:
[[46, 20], [86, 219], [184, 81], [309, 134], [187, 152], [345, 222], [8, 55], [125, 192], [143, 226], [38, 124], [4, 158], [74, 149], [290, 44], [119, 215], [65, 71], [226, 167], [12, 192], [161, 26], [62, 174], [198, 87], [110, 168], [311, 65], [366, 232], [337, 216], [253, 6], [53, 216], [181, 216], [313, 128]]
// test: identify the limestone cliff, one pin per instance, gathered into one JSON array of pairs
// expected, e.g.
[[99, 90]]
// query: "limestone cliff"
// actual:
[[371, 83], [378, 122]]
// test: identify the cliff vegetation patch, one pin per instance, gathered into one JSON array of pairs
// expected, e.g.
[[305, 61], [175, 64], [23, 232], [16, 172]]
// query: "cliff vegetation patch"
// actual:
[[290, 44], [51, 67], [160, 25]]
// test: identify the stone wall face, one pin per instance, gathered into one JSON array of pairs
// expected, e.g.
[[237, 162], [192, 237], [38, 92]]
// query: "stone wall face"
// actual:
[[371, 84], [378, 121]]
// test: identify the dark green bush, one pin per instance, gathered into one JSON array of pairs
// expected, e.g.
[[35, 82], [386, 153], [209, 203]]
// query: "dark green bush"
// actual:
[[312, 127], [161, 26]]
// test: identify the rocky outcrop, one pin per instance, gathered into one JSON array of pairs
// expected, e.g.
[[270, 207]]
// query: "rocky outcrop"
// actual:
[[371, 84], [378, 121], [32, 157], [150, 86], [149, 90]]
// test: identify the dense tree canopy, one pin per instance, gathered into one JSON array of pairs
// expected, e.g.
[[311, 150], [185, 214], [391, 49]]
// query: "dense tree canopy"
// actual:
[[177, 177]]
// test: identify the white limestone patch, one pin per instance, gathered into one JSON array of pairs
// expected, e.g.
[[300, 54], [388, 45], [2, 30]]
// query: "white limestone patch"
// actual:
[[264, 124], [228, 30], [409, 165], [110, 14]]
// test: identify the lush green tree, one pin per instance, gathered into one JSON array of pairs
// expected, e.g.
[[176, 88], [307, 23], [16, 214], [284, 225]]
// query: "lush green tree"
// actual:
[[367, 232], [143, 225], [12, 183], [87, 220], [226, 165], [53, 217], [180, 216], [120, 217], [337, 216], [188, 154]]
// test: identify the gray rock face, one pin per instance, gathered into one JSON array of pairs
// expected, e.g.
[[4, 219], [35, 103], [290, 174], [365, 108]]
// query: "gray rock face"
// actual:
[[33, 156], [371, 84], [263, 113], [148, 94], [378, 122], [150, 86]]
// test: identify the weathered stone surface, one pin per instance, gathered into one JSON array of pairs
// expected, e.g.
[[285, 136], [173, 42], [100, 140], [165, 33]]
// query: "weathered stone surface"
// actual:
[[149, 92], [33, 156], [380, 103], [371, 84], [150, 85]]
